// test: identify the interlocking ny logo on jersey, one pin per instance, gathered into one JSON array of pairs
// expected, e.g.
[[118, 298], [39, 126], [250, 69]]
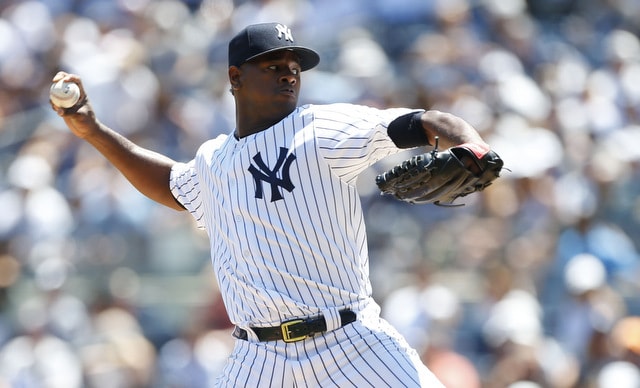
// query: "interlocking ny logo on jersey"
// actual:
[[284, 30], [263, 173]]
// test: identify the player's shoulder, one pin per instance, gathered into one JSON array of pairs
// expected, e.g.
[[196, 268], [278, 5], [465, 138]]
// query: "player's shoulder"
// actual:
[[212, 145], [349, 112], [336, 110]]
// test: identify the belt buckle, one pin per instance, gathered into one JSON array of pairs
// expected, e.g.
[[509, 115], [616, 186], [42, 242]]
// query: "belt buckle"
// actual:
[[286, 333]]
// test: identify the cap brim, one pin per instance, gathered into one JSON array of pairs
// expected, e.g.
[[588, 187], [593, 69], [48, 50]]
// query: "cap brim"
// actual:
[[308, 58]]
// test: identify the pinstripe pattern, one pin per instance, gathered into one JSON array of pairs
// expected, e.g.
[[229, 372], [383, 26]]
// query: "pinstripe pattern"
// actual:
[[359, 355], [291, 242]]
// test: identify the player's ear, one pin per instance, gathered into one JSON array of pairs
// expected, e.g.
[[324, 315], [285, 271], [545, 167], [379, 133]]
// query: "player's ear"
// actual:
[[234, 77]]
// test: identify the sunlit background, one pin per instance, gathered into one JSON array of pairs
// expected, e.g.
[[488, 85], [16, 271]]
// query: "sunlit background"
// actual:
[[535, 282]]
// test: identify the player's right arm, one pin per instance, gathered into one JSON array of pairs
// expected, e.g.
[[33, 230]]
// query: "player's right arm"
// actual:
[[147, 171]]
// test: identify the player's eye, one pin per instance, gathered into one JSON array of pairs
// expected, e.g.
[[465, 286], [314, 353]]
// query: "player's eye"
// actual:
[[294, 71]]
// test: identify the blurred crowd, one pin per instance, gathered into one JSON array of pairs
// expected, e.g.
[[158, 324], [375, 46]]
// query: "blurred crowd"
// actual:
[[534, 282]]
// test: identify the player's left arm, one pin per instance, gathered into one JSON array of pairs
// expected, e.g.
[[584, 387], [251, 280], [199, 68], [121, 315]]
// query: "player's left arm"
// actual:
[[422, 128], [463, 163]]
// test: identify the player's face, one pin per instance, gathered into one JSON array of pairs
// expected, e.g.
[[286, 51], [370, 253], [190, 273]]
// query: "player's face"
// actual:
[[272, 80]]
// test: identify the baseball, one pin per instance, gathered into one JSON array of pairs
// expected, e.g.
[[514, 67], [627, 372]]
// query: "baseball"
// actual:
[[64, 94]]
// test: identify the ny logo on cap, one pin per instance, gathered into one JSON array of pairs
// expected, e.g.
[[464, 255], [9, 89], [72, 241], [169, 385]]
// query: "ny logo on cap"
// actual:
[[284, 30]]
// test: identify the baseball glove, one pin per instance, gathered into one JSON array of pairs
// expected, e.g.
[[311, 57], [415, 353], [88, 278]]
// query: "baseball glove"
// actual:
[[439, 177]]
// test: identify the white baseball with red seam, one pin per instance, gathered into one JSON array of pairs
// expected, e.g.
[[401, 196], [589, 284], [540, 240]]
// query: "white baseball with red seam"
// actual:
[[64, 94]]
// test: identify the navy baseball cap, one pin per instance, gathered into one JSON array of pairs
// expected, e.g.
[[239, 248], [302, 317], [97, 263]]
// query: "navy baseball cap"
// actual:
[[259, 39]]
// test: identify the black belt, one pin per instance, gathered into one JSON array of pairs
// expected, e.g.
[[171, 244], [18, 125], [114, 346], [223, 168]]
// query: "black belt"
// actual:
[[296, 329]]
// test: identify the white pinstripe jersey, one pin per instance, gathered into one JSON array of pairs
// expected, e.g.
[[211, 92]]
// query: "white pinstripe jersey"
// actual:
[[283, 214]]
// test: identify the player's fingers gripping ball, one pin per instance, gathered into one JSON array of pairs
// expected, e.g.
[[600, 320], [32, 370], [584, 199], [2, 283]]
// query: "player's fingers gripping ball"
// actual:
[[64, 94], [439, 177]]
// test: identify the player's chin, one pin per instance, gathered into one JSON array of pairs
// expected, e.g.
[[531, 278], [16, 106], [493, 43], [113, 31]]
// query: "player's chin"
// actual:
[[287, 101]]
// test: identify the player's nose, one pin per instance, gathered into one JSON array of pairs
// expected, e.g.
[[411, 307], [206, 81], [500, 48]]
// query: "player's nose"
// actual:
[[290, 73], [290, 77]]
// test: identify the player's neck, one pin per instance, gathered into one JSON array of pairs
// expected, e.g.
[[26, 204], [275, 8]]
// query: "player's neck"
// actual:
[[244, 129], [247, 124]]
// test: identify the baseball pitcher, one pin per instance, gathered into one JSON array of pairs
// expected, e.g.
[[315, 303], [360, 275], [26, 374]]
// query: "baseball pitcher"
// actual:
[[278, 200]]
